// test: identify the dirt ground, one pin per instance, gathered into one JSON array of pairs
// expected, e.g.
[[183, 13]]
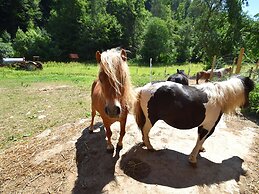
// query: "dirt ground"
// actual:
[[67, 159]]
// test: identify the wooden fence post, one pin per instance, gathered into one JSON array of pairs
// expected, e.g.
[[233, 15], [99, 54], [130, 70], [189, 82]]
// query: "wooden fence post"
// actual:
[[250, 72], [239, 61], [150, 66], [212, 67], [233, 65]]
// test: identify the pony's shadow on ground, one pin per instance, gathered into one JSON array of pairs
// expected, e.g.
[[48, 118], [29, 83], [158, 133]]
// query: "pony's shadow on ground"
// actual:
[[94, 165], [171, 168]]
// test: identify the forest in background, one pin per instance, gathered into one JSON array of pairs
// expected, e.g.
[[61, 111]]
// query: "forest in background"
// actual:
[[168, 31]]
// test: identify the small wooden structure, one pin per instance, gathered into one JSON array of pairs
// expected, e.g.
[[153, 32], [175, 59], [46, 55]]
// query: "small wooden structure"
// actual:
[[73, 56]]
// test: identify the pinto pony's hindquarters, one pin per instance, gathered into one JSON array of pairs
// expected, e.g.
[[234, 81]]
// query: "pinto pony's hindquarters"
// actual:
[[186, 107]]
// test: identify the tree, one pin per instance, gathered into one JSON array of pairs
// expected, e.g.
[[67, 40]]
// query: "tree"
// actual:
[[232, 38], [6, 49], [250, 38], [65, 24], [99, 31], [45, 8], [132, 16], [18, 14], [157, 44]]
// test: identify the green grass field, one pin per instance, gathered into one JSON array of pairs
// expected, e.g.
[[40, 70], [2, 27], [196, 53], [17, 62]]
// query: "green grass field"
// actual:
[[32, 101]]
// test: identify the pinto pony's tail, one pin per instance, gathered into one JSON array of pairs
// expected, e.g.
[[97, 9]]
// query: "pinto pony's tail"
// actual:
[[138, 112]]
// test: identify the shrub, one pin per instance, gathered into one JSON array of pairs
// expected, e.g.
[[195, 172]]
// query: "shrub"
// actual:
[[254, 100], [34, 41], [6, 49]]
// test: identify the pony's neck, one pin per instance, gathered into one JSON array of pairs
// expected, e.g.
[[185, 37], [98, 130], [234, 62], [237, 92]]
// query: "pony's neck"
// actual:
[[231, 94]]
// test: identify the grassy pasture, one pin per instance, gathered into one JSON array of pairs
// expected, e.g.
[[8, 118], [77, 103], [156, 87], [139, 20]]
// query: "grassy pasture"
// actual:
[[32, 101]]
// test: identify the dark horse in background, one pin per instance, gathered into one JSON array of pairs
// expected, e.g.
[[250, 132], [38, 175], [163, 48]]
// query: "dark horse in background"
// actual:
[[179, 77], [112, 93], [186, 107]]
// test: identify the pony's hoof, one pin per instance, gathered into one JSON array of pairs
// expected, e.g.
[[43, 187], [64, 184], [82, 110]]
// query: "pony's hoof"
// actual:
[[110, 148], [119, 147], [110, 151], [151, 149], [194, 165]]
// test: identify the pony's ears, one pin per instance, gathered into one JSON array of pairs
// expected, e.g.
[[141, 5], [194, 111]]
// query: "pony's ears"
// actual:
[[98, 57], [123, 55]]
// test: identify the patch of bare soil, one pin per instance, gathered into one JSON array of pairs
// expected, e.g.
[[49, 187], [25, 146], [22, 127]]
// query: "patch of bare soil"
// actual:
[[67, 159]]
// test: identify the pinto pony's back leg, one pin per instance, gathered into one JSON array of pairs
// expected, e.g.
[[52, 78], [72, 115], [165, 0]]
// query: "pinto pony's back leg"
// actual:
[[145, 137], [203, 134], [141, 119]]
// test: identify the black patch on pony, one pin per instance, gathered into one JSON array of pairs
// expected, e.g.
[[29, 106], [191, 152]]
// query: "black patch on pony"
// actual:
[[181, 107]]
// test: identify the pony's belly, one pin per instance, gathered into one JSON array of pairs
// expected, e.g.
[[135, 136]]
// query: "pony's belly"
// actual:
[[188, 119]]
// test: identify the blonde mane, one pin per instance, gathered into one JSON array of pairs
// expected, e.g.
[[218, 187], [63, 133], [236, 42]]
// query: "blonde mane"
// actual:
[[228, 94], [118, 72]]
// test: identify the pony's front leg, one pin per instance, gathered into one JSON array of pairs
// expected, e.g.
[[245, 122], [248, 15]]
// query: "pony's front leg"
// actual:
[[201, 138], [145, 137], [110, 147], [203, 134], [91, 128], [122, 132]]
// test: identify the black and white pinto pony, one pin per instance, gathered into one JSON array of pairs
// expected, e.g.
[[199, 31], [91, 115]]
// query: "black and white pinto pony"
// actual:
[[179, 77], [186, 107]]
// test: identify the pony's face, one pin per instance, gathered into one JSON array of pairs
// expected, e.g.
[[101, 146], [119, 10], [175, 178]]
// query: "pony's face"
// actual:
[[249, 86], [112, 102], [228, 69], [111, 79], [181, 72]]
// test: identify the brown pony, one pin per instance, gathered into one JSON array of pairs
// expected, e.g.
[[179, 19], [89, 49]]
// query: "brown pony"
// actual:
[[216, 72], [112, 94]]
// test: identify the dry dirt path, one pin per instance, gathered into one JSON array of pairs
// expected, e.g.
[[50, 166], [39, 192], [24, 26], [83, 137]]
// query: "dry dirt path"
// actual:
[[68, 159]]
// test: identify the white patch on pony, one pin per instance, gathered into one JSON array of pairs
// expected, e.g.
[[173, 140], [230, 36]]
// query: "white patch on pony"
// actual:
[[147, 92], [212, 112]]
